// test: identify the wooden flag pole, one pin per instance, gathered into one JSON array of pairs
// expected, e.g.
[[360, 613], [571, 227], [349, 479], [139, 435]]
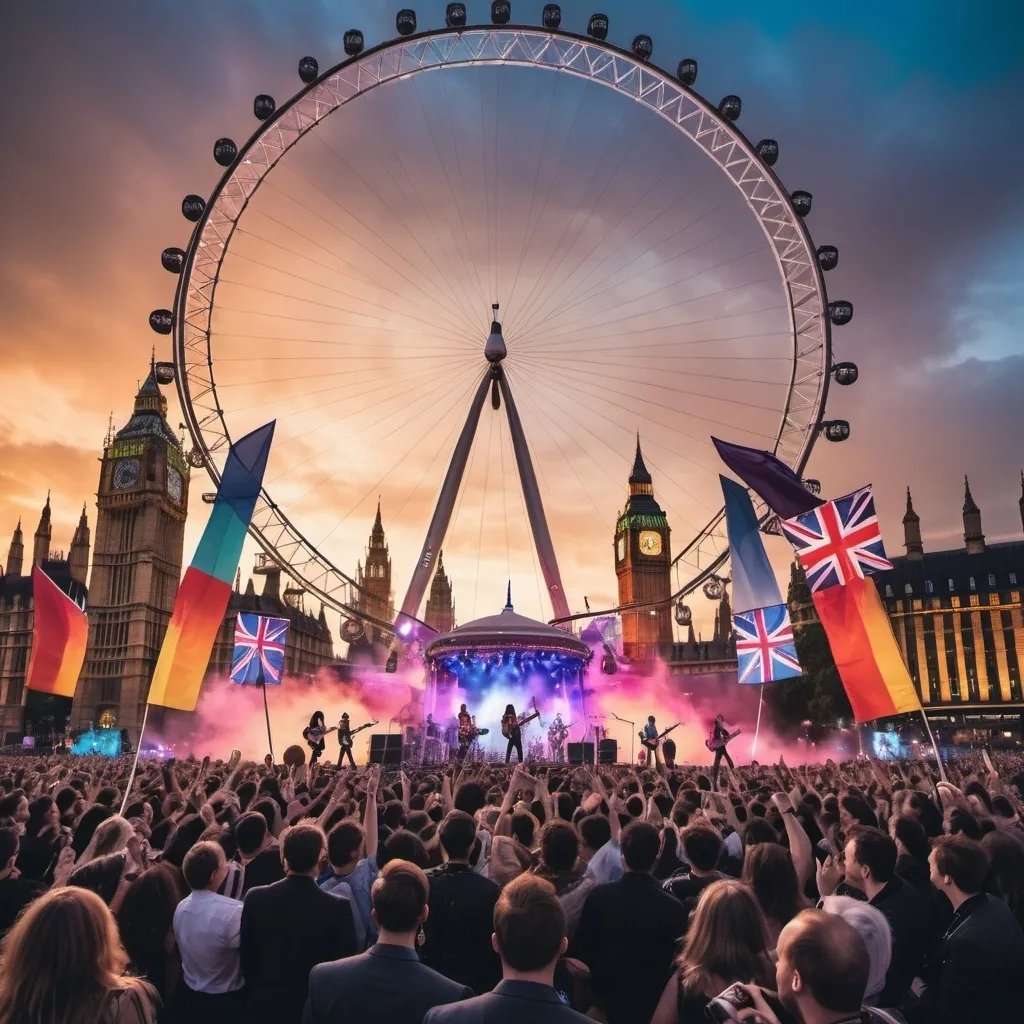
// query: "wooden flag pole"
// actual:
[[935, 747], [135, 763]]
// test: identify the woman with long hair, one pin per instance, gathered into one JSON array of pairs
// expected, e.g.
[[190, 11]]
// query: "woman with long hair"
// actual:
[[63, 963], [769, 872], [912, 848], [41, 842], [314, 735], [146, 924], [727, 942], [1006, 858]]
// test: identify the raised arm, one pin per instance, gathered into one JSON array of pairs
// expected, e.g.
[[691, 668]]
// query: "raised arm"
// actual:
[[370, 814], [799, 843]]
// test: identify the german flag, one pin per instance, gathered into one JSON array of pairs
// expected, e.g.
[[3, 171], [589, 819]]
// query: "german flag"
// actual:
[[60, 633]]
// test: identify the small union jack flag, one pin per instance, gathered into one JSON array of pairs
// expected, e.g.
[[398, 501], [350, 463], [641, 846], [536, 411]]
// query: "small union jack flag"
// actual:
[[259, 649], [838, 540], [764, 645]]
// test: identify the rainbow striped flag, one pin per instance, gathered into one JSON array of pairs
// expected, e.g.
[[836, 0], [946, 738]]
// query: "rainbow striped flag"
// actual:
[[60, 633], [205, 590]]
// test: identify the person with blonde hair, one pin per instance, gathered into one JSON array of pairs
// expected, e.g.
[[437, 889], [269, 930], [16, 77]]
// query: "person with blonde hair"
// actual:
[[727, 942], [63, 963]]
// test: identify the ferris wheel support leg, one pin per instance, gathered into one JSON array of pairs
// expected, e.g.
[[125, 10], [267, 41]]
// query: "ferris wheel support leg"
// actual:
[[534, 506], [445, 505]]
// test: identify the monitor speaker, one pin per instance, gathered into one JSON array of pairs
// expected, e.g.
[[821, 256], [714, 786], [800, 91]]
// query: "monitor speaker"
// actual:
[[581, 753], [385, 748], [608, 751]]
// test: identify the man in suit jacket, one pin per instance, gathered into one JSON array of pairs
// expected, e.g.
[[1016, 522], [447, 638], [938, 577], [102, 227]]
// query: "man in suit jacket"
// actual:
[[629, 932], [290, 927], [387, 982], [529, 936]]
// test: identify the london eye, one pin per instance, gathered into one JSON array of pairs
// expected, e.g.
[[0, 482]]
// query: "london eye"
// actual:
[[641, 264]]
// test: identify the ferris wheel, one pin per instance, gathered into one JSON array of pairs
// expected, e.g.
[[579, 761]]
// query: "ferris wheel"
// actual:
[[644, 267]]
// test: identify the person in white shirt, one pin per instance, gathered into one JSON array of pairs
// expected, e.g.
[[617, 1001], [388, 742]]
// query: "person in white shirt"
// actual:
[[207, 928]]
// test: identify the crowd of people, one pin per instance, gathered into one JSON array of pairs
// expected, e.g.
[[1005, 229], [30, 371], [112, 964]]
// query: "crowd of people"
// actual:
[[226, 891]]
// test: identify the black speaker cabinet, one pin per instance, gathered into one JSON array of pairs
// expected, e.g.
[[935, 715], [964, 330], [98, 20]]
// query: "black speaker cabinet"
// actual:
[[385, 748], [608, 751], [581, 753]]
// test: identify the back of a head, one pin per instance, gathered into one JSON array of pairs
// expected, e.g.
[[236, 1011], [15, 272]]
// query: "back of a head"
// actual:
[[963, 822], [640, 843], [529, 924], [524, 828], [147, 914], [398, 895], [961, 860], [559, 845], [302, 847], [871, 925], [269, 808], [830, 957], [768, 870], [702, 845], [250, 832], [87, 826], [757, 831], [185, 836], [403, 845], [201, 864], [62, 952], [457, 834], [911, 834], [343, 841], [875, 850], [595, 831], [470, 797], [8, 845]]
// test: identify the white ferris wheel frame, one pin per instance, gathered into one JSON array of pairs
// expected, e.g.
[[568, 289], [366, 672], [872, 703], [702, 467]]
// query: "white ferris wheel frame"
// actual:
[[555, 50]]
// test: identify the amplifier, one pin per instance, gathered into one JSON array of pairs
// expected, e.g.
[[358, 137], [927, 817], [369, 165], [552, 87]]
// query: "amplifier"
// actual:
[[385, 748], [608, 751], [581, 753]]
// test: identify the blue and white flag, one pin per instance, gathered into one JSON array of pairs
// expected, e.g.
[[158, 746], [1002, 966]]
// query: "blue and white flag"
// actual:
[[753, 581]]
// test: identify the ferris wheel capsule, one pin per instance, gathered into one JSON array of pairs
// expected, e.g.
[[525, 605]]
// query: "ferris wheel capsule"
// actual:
[[309, 69], [551, 17], [164, 373], [501, 12], [713, 589], [683, 614], [405, 21], [263, 106], [353, 42], [195, 458], [836, 430], [172, 259], [801, 202], [828, 257], [730, 107], [455, 15], [598, 26], [642, 47], [767, 152], [686, 72], [813, 485], [840, 312], [352, 631], [846, 373], [162, 321], [225, 151], [192, 207]]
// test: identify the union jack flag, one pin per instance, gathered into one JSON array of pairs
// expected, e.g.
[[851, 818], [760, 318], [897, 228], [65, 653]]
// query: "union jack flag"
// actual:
[[259, 649], [838, 540], [764, 645]]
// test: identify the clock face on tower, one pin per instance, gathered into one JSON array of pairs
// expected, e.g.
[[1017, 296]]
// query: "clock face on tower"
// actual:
[[174, 484], [126, 474], [620, 547], [650, 543]]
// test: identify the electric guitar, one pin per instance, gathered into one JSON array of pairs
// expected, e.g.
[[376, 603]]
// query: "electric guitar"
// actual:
[[718, 744], [315, 736], [345, 738], [510, 725], [656, 742]]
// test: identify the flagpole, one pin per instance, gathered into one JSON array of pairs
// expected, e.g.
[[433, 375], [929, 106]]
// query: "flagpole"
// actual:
[[266, 711], [135, 763], [935, 747], [757, 728]]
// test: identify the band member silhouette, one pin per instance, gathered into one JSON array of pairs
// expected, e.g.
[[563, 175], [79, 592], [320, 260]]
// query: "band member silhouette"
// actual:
[[466, 734], [720, 732], [557, 735], [345, 741], [651, 741], [314, 736], [510, 727]]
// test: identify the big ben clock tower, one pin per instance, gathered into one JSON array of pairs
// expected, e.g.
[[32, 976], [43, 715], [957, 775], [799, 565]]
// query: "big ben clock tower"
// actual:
[[643, 565], [140, 529]]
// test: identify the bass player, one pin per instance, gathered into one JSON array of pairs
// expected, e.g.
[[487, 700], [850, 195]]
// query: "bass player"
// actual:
[[719, 739]]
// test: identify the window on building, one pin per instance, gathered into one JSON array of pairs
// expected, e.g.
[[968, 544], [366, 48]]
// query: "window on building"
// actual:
[[928, 588], [907, 588], [991, 580], [951, 587], [972, 584], [1013, 579], [888, 590]]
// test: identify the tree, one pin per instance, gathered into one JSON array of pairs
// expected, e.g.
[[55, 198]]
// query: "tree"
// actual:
[[818, 694]]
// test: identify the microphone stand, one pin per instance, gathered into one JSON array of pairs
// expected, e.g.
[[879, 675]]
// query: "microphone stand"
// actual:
[[632, 730]]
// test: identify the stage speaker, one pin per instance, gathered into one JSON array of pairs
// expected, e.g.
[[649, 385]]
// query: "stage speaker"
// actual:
[[607, 751], [581, 753], [385, 748]]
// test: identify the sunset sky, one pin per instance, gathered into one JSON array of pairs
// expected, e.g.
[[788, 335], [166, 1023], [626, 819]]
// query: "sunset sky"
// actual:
[[901, 118]]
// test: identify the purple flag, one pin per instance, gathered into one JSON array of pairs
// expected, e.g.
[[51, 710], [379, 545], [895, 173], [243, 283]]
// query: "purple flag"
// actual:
[[780, 488]]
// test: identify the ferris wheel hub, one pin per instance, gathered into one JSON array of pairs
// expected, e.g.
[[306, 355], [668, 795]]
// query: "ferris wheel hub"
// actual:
[[494, 347]]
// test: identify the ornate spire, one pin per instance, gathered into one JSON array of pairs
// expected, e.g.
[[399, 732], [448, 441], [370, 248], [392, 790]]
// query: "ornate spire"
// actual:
[[640, 474], [108, 439], [969, 505], [79, 555], [16, 553], [41, 540], [912, 532], [910, 516], [973, 537], [377, 533], [508, 600]]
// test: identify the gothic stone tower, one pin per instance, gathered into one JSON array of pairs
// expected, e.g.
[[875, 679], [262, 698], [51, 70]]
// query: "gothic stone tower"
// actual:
[[643, 565], [440, 611], [140, 526], [375, 578]]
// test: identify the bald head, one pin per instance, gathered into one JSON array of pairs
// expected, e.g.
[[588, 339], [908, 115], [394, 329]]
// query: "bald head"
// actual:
[[823, 958]]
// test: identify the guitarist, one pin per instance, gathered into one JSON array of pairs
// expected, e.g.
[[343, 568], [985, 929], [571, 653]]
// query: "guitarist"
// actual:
[[314, 736], [718, 733], [511, 727], [650, 741], [345, 734]]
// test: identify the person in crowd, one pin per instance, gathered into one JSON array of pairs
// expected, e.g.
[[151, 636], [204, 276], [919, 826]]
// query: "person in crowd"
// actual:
[[1005, 852], [978, 969], [727, 942], [456, 934], [768, 870], [529, 937], [42, 841], [63, 964], [15, 892], [702, 847], [387, 982], [207, 930], [629, 930], [912, 848], [288, 928], [873, 928], [258, 852], [560, 860]]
